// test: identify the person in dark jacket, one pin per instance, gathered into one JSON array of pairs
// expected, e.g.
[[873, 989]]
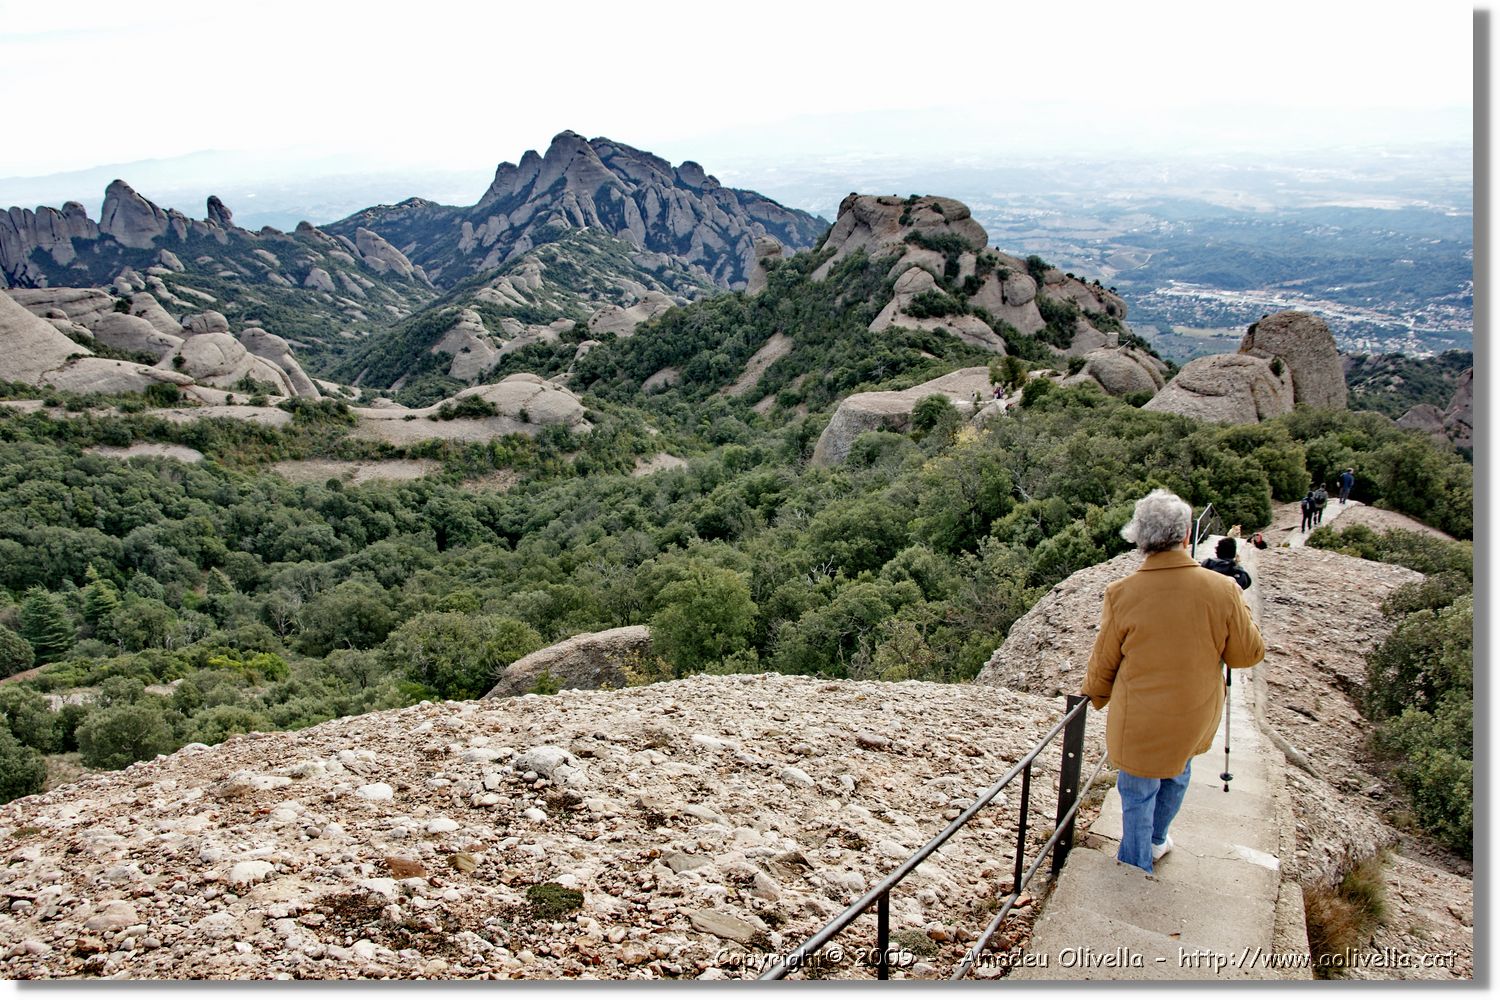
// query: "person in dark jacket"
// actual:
[[1224, 563], [1309, 508], [1346, 483]]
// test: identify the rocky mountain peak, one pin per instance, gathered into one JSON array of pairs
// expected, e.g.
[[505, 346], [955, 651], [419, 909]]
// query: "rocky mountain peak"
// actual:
[[131, 219], [598, 184], [219, 213]]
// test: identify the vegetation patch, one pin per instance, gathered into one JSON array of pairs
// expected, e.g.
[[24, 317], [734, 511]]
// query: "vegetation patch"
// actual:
[[1341, 918]]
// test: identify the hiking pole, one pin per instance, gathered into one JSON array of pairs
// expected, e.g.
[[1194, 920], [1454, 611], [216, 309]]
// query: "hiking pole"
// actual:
[[1224, 775]]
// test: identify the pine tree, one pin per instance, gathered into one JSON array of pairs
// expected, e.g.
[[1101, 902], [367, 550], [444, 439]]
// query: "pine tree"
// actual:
[[100, 598], [45, 624]]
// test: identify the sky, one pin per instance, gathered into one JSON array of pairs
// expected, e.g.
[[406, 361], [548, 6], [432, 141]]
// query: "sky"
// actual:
[[450, 85]]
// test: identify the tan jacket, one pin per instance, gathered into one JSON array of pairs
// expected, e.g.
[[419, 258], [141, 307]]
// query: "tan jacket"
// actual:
[[1164, 630]]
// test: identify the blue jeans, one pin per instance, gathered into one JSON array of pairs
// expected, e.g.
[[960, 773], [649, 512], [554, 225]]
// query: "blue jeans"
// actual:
[[1150, 805]]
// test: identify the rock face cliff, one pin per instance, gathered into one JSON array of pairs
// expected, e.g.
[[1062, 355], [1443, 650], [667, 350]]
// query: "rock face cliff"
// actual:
[[1454, 425], [678, 212], [946, 276]]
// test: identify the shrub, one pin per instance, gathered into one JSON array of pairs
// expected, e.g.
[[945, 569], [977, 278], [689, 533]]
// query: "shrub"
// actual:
[[1340, 918], [933, 412], [1035, 390], [702, 617], [114, 737], [456, 655], [22, 769], [15, 653]]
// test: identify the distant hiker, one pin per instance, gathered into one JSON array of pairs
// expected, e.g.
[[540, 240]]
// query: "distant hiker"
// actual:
[[1309, 507], [1258, 540], [1225, 564], [1320, 500], [1346, 483], [1163, 633], [999, 391]]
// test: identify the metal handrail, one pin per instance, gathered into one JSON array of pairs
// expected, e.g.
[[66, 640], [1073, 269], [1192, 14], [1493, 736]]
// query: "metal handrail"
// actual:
[[1198, 527], [1074, 721]]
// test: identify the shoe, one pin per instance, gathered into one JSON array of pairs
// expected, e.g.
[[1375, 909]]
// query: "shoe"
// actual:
[[1159, 851]]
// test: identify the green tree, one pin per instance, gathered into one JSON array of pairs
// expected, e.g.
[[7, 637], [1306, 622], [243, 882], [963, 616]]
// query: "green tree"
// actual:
[[112, 738], [456, 655], [29, 718], [22, 769], [100, 599], [45, 624], [702, 618], [15, 653], [353, 615]]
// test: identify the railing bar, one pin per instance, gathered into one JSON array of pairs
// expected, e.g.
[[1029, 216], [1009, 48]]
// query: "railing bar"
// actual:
[[984, 939], [780, 968], [1021, 830], [883, 935], [994, 925]]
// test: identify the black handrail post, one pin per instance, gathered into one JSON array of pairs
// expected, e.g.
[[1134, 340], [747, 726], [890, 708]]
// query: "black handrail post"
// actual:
[[883, 935], [1067, 780], [1021, 833]]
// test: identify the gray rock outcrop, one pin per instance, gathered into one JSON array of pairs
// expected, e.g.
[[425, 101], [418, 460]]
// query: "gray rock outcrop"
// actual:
[[217, 359], [1226, 389], [125, 332], [218, 213], [1120, 371], [1305, 344], [35, 352], [130, 218], [525, 404], [589, 661], [473, 349], [379, 255], [1454, 425], [210, 321], [622, 320], [891, 411], [277, 351], [763, 249]]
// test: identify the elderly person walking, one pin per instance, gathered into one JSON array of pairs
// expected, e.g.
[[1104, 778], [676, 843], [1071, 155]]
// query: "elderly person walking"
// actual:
[[1163, 634]]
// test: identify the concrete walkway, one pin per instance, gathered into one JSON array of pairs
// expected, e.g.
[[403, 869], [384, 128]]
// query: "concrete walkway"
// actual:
[[1217, 902]]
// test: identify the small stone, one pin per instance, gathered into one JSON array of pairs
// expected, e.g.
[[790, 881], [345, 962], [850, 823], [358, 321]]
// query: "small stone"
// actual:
[[723, 925], [463, 862], [634, 954], [442, 825], [680, 862], [405, 868], [250, 872], [797, 776], [535, 815], [872, 741], [378, 792], [113, 915]]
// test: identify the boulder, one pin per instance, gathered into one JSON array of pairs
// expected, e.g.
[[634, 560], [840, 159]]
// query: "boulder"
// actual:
[[319, 279], [379, 256], [83, 306], [470, 344], [210, 321], [30, 347], [1458, 419], [1120, 371], [526, 404], [1304, 343], [1227, 389], [144, 305], [129, 218], [276, 350], [590, 661], [763, 249], [891, 411], [217, 359], [126, 332], [219, 213]]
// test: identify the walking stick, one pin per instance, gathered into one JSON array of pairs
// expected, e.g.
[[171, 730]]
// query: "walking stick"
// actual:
[[1224, 775]]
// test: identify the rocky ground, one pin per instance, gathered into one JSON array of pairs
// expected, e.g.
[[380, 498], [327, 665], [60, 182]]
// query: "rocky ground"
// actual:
[[701, 823], [355, 473]]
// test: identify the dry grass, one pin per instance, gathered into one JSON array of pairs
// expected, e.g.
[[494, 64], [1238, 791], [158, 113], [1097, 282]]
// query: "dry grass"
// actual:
[[1341, 918]]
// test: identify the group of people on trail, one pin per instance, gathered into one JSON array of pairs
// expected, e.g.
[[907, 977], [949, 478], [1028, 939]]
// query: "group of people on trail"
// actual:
[[1317, 499], [1165, 634]]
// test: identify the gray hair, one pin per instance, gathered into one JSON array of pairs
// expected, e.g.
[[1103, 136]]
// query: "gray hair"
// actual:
[[1160, 523]]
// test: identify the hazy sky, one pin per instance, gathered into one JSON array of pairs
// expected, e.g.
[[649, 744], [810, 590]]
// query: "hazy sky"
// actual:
[[447, 84]]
